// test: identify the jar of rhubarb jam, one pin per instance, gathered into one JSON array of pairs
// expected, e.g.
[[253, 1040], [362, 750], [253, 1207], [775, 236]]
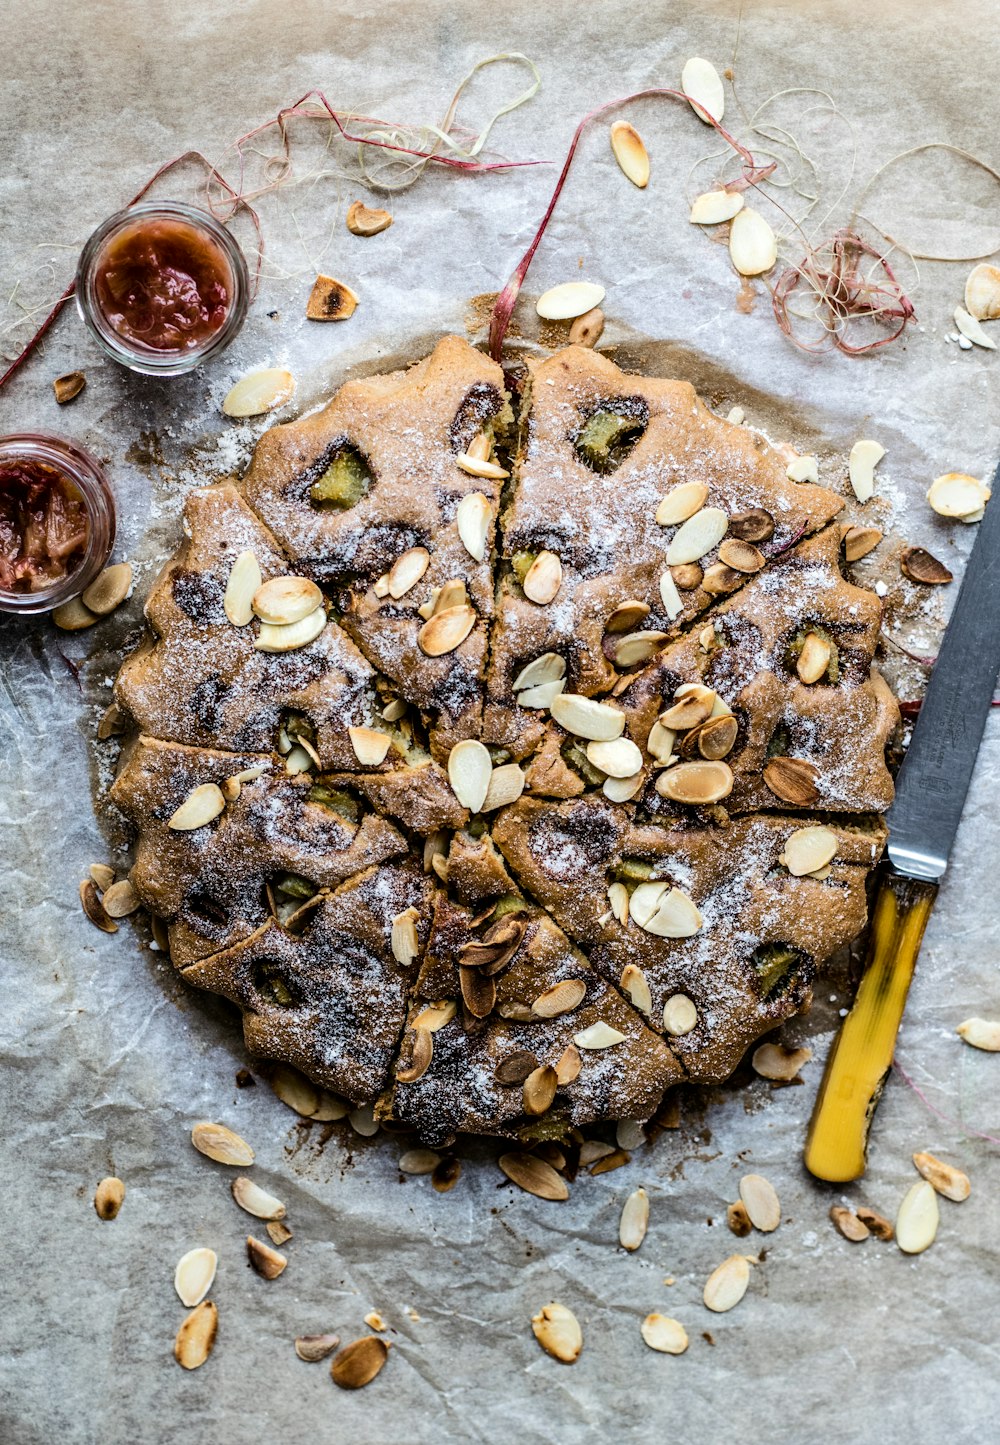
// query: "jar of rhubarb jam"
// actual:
[[163, 287], [57, 522]]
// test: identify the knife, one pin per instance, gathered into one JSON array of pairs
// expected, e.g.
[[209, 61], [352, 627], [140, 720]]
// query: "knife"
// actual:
[[923, 820]]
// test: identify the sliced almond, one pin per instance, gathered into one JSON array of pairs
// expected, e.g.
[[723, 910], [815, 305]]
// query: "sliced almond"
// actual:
[[221, 1144], [761, 1202], [675, 916], [920, 566], [195, 1275], [588, 328], [681, 503], [256, 1201], [120, 899], [557, 1330], [515, 1068], [621, 790], [753, 246], [365, 220], [475, 466], [802, 469], [630, 153], [113, 723], [970, 328], [108, 589], [981, 1034], [859, 541], [72, 616], [298, 760], [879, 1226], [720, 580], [737, 1219], [586, 718], [944, 1178], [688, 711], [200, 806], [572, 298], [294, 1090], [713, 207], [774, 1061], [534, 1176], [420, 1058], [638, 647], [539, 1091], [543, 579], [814, 659], [419, 1161], [278, 1232], [446, 630], [330, 300], [808, 849], [69, 386], [598, 1036], [568, 1066], [645, 899], [955, 494], [196, 1336], [727, 1284], [741, 556], [688, 576], [404, 942], [717, 737], [660, 743], [697, 536], [550, 667], [634, 1221], [560, 998], [918, 1219], [793, 780], [267, 1262], [672, 603], [701, 84], [679, 1015], [357, 1364], [109, 1197], [756, 525], [288, 599], [231, 789], [290, 637], [627, 615], [260, 392], [370, 746], [470, 768], [506, 786], [736, 416], [635, 983], [472, 517], [407, 571], [313, 1348], [618, 898], [982, 293], [619, 758], [864, 458], [663, 1334], [696, 784], [848, 1224]]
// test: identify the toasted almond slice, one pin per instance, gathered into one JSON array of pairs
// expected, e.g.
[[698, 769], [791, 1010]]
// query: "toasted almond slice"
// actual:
[[666, 1335], [741, 556], [560, 998], [793, 780], [120, 899], [420, 1058], [541, 696], [679, 1015], [921, 566], [452, 594], [506, 786], [112, 724], [357, 1364], [808, 849], [259, 392], [550, 667], [543, 579], [696, 784], [539, 1091], [638, 647], [200, 806], [278, 1232], [636, 985], [727, 1284], [294, 1090], [737, 1219], [619, 758], [713, 207], [436, 1015], [660, 743], [720, 580], [68, 387], [370, 746], [688, 576], [803, 469], [480, 447], [761, 1202], [859, 541], [404, 942], [313, 1348], [618, 898], [981, 1034], [109, 1197], [701, 84], [196, 1336], [982, 293], [194, 1275], [72, 616], [568, 1066], [470, 768], [918, 1219], [587, 329], [620, 790], [221, 1144], [717, 737], [256, 1201], [231, 789], [586, 718], [267, 1262], [365, 220], [675, 916], [970, 328], [515, 1068], [480, 467], [814, 659], [944, 1178], [753, 246], [446, 630], [630, 153], [955, 494], [572, 298], [407, 571], [473, 516], [108, 589], [774, 1061], [598, 1036], [534, 1176], [697, 536], [103, 875], [680, 503], [864, 458], [848, 1224], [419, 1161], [557, 1330], [284, 600], [879, 1226], [634, 1221], [294, 635], [627, 615]]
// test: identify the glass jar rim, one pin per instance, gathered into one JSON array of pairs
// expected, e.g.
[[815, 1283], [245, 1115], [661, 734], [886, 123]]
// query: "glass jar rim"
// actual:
[[144, 360]]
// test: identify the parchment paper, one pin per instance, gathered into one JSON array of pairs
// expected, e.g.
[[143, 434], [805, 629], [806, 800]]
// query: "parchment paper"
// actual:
[[108, 1060]]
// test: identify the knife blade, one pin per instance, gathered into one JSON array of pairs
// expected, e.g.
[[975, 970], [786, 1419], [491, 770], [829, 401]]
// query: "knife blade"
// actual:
[[923, 820]]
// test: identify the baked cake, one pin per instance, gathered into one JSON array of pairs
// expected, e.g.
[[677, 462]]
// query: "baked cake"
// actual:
[[508, 771]]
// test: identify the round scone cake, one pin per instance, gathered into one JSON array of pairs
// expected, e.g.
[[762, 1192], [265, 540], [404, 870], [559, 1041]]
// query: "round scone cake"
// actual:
[[506, 772]]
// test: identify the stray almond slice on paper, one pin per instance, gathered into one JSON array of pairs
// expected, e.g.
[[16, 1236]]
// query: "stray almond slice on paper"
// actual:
[[569, 300], [534, 1176], [120, 899], [196, 1336], [634, 1221], [587, 329], [109, 1198], [848, 1224], [312, 1348], [970, 328], [94, 908], [778, 1063], [195, 1275], [256, 1201], [365, 220], [945, 1178], [108, 589], [922, 566], [557, 1330], [330, 300], [260, 392], [701, 83], [714, 207], [982, 293], [859, 541], [956, 494], [918, 1219], [666, 1335], [753, 246], [73, 616], [727, 1284], [357, 1364], [981, 1034], [218, 1142], [630, 153], [760, 1201], [267, 1262], [69, 386], [864, 458]]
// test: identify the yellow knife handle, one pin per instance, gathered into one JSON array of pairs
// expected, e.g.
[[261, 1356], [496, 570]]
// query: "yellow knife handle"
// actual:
[[862, 1052]]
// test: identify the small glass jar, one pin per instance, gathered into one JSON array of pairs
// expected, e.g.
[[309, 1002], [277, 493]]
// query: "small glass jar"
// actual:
[[163, 287], [84, 482]]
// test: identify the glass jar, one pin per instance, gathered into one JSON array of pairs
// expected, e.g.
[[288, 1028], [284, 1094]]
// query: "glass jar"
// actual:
[[162, 287], [31, 457]]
